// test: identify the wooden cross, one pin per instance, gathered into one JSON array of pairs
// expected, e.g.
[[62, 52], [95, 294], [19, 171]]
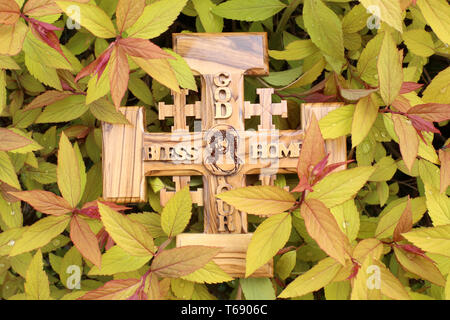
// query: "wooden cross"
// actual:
[[223, 152]]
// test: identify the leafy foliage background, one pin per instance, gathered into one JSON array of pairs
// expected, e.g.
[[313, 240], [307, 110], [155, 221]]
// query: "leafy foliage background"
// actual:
[[58, 83]]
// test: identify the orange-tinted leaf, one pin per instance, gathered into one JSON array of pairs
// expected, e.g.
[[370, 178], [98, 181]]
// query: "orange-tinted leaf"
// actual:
[[178, 262], [420, 266], [9, 12], [408, 140], [39, 8], [119, 73], [113, 290], [323, 228], [85, 240], [313, 149], [432, 111], [127, 13], [12, 38], [10, 140], [47, 98], [405, 222], [44, 201], [143, 48], [401, 103], [444, 157]]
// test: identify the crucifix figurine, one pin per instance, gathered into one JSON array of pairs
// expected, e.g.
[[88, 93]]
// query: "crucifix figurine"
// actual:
[[222, 152]]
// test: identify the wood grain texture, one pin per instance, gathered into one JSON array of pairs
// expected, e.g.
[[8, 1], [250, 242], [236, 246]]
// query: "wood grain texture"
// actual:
[[231, 258], [123, 168]]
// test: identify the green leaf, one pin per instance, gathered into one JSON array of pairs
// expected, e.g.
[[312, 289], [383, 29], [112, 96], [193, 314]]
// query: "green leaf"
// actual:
[[7, 172], [312, 280], [257, 289], [91, 17], [366, 112], [64, 110], [263, 200], [367, 62], [177, 213], [117, 260], [269, 237], [438, 91], [249, 10], [36, 284], [156, 18], [355, 20], [210, 273], [419, 42], [338, 122], [140, 90], [438, 206], [160, 70], [210, 21], [43, 73], [182, 71], [385, 169], [296, 50], [390, 71], [129, 235], [338, 187], [68, 172], [40, 233], [105, 111], [347, 218], [286, 264], [325, 29]]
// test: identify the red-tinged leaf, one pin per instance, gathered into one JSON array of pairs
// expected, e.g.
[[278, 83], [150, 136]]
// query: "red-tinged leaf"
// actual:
[[9, 12], [113, 290], [323, 228], [401, 104], [178, 262], [355, 94], [413, 249], [143, 48], [127, 13], [422, 125], [318, 97], [44, 201], [318, 168], [119, 74], [434, 112], [97, 66], [302, 185], [112, 205], [408, 140], [355, 269], [313, 149], [38, 8], [77, 131], [85, 240], [444, 157], [330, 168], [5, 192], [409, 87], [10, 140], [91, 212], [405, 222], [47, 98]]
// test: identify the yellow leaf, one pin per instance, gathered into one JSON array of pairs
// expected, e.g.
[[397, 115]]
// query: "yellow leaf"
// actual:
[[69, 266], [389, 217], [12, 37], [308, 76], [339, 290], [390, 70], [98, 88], [347, 218], [269, 237], [262, 200], [325, 29], [390, 285], [366, 112], [388, 11], [420, 266], [177, 213], [419, 42], [368, 247], [113, 290], [181, 288], [385, 168], [156, 18], [437, 15], [438, 205], [367, 62], [312, 280], [408, 139], [355, 20], [117, 260], [160, 70], [338, 187], [127, 13], [36, 282], [438, 91], [210, 273], [129, 235], [323, 228], [296, 50], [447, 288], [89, 16], [178, 262], [434, 240], [7, 172], [40, 233], [367, 284], [338, 122], [68, 174], [286, 264]]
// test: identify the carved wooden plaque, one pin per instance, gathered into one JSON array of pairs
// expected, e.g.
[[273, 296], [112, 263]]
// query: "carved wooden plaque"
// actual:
[[222, 152]]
